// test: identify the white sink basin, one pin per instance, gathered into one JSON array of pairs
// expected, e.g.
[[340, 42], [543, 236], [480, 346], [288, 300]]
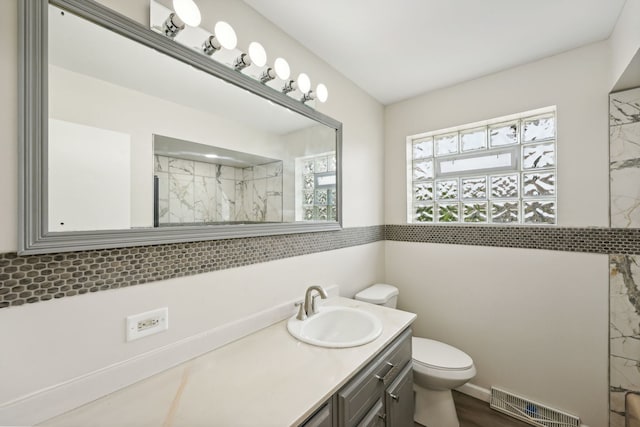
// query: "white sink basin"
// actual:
[[336, 327]]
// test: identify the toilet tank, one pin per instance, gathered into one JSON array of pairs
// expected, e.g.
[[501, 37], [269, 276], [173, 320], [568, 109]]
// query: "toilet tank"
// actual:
[[379, 294]]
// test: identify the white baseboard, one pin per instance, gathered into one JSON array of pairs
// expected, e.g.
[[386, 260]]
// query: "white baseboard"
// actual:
[[475, 391], [59, 398]]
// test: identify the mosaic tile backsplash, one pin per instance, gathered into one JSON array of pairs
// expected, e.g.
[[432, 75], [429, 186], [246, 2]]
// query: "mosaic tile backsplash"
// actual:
[[573, 239], [35, 278], [624, 278]]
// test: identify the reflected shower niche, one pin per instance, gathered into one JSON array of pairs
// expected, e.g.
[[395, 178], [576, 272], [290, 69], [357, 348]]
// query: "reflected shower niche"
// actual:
[[198, 184]]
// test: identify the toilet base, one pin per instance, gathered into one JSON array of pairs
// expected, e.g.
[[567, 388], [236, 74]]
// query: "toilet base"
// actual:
[[435, 408]]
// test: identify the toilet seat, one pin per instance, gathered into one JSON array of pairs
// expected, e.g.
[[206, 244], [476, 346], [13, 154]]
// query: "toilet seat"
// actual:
[[438, 355]]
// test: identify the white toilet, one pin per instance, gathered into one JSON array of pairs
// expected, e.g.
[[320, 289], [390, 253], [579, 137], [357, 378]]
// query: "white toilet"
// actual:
[[437, 368]]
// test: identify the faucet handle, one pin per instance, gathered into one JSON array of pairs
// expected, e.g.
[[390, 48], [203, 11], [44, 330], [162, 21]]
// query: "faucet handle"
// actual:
[[302, 315]]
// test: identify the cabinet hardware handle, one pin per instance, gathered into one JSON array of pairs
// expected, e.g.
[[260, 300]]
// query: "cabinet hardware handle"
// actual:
[[384, 378], [394, 396], [382, 416]]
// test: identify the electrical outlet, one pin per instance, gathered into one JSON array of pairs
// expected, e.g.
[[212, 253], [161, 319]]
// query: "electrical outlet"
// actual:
[[147, 323]]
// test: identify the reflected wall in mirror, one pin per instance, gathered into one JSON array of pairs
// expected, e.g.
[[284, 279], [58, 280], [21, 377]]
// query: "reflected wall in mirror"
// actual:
[[198, 183], [118, 116]]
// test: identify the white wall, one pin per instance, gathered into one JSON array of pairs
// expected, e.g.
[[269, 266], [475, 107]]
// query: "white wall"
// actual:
[[534, 321], [625, 39], [55, 341], [576, 82], [89, 178]]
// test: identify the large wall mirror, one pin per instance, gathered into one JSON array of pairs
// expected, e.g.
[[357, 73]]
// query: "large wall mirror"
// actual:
[[128, 138]]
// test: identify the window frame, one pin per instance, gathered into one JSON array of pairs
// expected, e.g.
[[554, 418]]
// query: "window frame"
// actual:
[[521, 166]]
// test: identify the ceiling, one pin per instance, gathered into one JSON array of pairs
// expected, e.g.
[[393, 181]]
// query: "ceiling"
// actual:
[[397, 49]]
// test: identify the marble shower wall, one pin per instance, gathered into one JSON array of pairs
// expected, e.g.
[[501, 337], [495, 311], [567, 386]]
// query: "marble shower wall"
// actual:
[[624, 282], [199, 192]]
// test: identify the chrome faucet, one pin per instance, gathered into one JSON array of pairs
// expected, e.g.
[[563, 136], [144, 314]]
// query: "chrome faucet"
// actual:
[[310, 307]]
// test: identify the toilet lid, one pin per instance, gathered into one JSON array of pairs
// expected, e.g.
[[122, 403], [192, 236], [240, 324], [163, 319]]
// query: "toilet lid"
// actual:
[[436, 354]]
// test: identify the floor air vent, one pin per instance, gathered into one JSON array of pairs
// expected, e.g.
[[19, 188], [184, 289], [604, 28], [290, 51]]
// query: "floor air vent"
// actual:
[[529, 411]]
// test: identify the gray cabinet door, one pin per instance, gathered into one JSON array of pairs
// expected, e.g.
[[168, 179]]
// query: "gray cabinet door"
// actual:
[[375, 417], [359, 395], [399, 399], [322, 418]]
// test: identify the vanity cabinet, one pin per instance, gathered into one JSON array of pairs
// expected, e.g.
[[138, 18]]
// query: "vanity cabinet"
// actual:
[[323, 417], [380, 395], [382, 392]]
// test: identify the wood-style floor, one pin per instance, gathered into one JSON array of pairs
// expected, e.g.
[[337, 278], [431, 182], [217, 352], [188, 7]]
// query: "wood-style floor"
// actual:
[[476, 413]]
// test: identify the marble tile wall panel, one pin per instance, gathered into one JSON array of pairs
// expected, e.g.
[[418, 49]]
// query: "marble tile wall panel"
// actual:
[[624, 107], [181, 198], [259, 199], [243, 200], [226, 199], [624, 280], [161, 164], [624, 332], [625, 174], [163, 196], [274, 169], [274, 207], [217, 192], [205, 199], [181, 166]]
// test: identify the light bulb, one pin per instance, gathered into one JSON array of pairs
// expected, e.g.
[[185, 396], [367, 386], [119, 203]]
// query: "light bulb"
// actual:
[[322, 92], [226, 35], [257, 54], [304, 83], [282, 68], [188, 11]]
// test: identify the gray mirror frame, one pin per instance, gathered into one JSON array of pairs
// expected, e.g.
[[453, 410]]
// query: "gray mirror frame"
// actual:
[[33, 237]]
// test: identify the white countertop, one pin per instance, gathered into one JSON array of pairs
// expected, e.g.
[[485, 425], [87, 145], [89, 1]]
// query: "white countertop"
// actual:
[[265, 379]]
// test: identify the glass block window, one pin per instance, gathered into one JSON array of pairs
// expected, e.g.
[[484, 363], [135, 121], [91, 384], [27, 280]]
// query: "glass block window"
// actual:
[[502, 171], [316, 188]]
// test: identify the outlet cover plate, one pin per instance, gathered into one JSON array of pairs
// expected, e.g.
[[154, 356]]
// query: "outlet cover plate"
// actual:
[[150, 322]]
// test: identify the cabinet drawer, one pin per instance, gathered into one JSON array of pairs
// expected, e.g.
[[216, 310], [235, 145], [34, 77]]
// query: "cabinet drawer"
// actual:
[[360, 394]]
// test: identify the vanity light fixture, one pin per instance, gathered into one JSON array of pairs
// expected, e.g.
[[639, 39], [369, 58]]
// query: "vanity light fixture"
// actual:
[[172, 26], [304, 83], [280, 70], [308, 96], [267, 75], [223, 37], [186, 13], [322, 92], [289, 86], [242, 62], [257, 56]]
